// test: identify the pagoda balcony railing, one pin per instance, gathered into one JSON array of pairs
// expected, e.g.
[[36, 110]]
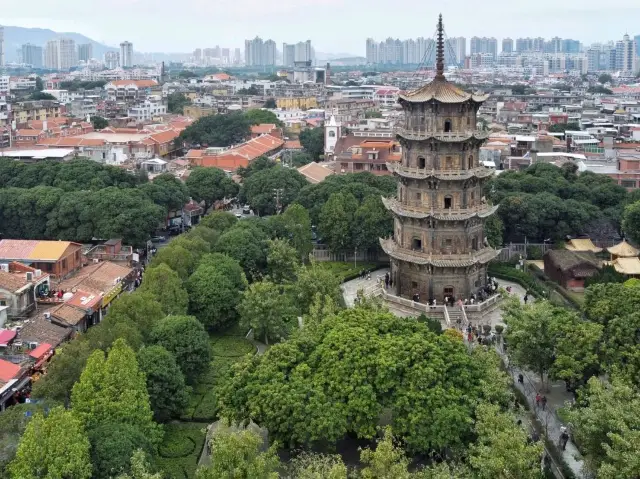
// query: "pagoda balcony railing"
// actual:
[[418, 208], [412, 133], [392, 248], [421, 173]]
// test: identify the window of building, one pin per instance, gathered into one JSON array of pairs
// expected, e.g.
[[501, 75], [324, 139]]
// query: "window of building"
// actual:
[[422, 163], [628, 183], [468, 121], [64, 264], [448, 201], [447, 126], [414, 285], [448, 242], [474, 244], [448, 163], [448, 291], [3, 302], [416, 244], [470, 161], [332, 134], [418, 196]]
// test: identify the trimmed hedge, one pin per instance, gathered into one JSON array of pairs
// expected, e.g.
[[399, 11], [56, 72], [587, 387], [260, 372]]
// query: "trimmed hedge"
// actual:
[[180, 450], [346, 271]]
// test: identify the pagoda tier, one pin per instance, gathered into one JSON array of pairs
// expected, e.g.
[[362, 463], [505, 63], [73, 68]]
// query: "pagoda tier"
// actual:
[[409, 133], [480, 257], [418, 173], [443, 214]]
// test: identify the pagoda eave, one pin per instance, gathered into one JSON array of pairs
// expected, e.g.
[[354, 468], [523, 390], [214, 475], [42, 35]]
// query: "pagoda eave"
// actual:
[[423, 173], [402, 211], [445, 137], [481, 257]]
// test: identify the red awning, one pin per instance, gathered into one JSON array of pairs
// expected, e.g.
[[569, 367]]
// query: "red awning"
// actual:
[[6, 336], [8, 371], [40, 351]]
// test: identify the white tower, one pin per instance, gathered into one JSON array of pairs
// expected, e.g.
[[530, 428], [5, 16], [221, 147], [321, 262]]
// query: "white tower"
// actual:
[[331, 134]]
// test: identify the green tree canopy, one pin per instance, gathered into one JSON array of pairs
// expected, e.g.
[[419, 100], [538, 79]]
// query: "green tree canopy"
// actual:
[[247, 244], [55, 447], [271, 190], [238, 453], [606, 424], [99, 122], [257, 116], [139, 307], [219, 221], [340, 376], [113, 390], [176, 102], [296, 224], [268, 309], [217, 130], [177, 258], [112, 445], [215, 289], [186, 339], [282, 261], [336, 220], [168, 191], [165, 383], [165, 286], [210, 185], [312, 280], [312, 141], [140, 468]]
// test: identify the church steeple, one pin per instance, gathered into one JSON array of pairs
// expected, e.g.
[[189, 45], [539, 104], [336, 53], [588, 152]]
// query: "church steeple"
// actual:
[[440, 51]]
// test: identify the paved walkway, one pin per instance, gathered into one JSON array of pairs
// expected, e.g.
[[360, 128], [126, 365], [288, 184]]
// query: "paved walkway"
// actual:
[[557, 396], [350, 288]]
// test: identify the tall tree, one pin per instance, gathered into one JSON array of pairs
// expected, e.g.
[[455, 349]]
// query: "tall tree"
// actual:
[[112, 445], [282, 261], [141, 308], [312, 280], [55, 447], [336, 222], [167, 191], [271, 190], [268, 309], [387, 461], [502, 450], [140, 468], [210, 185], [99, 122], [631, 221], [219, 221], [215, 289], [313, 142], [176, 102], [297, 225], [177, 258], [259, 117], [186, 339], [373, 222], [237, 453], [166, 287], [165, 382], [114, 391], [217, 130], [246, 243]]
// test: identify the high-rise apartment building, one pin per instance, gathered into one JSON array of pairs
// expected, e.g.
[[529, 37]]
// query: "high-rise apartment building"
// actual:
[[226, 56], [288, 54], [237, 56], [626, 55], [1, 46], [484, 45], [197, 55], [126, 54], [85, 52], [112, 60], [259, 53], [455, 51], [270, 53], [60, 54], [32, 55], [507, 45]]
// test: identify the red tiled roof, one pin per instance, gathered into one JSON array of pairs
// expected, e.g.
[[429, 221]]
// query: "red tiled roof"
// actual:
[[6, 336], [292, 145], [8, 371], [40, 351], [263, 128], [71, 141], [164, 136], [28, 132], [241, 155]]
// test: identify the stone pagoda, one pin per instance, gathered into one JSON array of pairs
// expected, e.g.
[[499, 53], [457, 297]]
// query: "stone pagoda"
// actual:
[[439, 245]]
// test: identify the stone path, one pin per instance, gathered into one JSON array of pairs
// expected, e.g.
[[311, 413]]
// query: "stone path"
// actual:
[[350, 288]]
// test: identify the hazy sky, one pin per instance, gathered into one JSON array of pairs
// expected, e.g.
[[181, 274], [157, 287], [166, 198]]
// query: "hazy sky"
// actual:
[[332, 25]]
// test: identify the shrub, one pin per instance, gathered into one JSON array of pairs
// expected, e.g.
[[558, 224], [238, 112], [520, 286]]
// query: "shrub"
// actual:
[[499, 328]]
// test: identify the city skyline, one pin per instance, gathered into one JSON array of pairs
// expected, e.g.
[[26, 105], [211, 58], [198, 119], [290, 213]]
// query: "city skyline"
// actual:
[[591, 22]]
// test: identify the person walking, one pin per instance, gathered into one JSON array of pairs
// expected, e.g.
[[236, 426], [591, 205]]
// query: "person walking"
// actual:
[[538, 398], [521, 379], [526, 298], [543, 401], [564, 438]]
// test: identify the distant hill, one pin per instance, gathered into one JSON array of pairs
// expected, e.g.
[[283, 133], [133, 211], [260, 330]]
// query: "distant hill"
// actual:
[[323, 57], [348, 61], [15, 37]]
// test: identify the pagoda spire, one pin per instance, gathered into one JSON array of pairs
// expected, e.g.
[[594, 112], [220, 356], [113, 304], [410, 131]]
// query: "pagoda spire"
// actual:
[[440, 51]]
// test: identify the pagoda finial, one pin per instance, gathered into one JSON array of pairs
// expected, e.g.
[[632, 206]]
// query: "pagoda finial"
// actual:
[[440, 51]]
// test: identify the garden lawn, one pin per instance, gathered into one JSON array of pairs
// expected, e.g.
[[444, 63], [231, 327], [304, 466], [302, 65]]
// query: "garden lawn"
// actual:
[[180, 450]]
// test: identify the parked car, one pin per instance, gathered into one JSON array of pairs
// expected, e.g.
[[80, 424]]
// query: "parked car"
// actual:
[[158, 239]]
